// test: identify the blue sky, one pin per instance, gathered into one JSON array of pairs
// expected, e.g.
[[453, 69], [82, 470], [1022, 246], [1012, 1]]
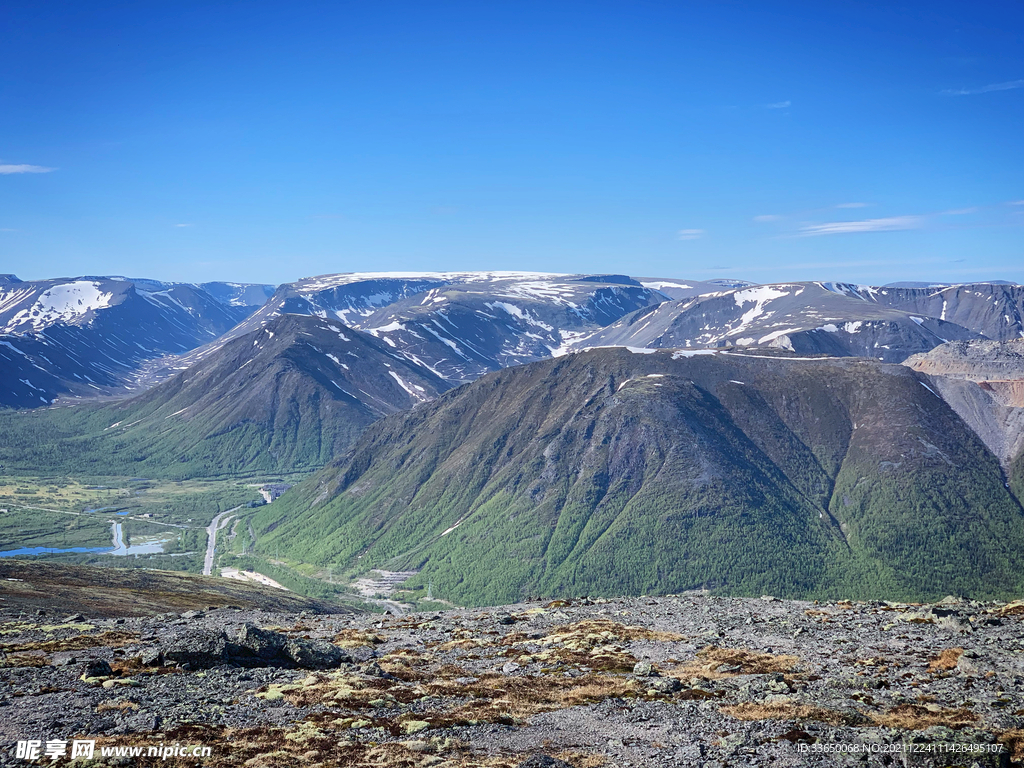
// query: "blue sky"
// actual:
[[264, 142]]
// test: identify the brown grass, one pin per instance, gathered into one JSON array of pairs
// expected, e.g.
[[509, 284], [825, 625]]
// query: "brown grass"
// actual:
[[24, 660], [946, 660], [491, 697], [592, 644], [501, 699], [271, 747], [786, 711], [1016, 608], [709, 659], [77, 643], [916, 717], [619, 632], [354, 638], [1014, 741]]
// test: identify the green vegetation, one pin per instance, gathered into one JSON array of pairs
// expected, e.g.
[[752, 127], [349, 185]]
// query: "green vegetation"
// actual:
[[601, 473], [79, 441], [21, 527], [64, 512], [588, 475], [275, 400]]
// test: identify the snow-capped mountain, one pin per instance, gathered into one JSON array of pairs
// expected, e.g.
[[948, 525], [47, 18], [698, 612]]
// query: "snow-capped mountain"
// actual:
[[837, 319], [93, 335], [89, 335], [458, 324], [995, 310]]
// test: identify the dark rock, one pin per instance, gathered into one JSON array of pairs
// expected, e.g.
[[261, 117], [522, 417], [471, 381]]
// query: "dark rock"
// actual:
[[543, 761], [373, 669], [664, 684], [197, 648], [97, 668], [151, 657], [505, 619], [315, 654], [264, 643]]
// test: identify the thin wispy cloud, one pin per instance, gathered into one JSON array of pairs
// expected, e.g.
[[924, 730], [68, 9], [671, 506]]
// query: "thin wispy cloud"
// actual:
[[766, 217], [8, 168], [779, 104], [888, 224], [1016, 202], [690, 234], [1007, 86], [852, 205], [183, 225]]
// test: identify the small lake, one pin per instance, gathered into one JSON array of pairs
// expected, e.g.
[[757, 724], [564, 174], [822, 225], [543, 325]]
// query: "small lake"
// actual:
[[48, 551], [146, 545]]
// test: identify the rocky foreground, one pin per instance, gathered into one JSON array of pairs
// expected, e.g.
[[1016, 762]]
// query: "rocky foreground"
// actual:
[[687, 680]]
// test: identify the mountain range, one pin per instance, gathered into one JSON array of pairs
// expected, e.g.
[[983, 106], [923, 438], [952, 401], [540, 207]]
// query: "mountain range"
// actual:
[[90, 336], [511, 434]]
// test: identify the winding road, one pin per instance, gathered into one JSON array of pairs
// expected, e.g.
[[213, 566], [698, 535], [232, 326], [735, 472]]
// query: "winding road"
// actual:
[[211, 538]]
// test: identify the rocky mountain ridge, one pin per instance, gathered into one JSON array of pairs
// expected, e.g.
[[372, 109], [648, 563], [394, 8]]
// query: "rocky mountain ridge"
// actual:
[[983, 381]]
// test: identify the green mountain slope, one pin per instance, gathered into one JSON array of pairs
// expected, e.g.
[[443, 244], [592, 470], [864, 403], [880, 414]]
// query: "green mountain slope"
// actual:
[[287, 397], [612, 472]]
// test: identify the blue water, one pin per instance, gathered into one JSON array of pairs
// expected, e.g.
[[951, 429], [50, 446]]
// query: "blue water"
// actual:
[[49, 551], [124, 513], [97, 509]]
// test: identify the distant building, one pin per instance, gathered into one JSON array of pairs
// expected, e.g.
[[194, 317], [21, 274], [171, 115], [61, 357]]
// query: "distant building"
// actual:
[[273, 491]]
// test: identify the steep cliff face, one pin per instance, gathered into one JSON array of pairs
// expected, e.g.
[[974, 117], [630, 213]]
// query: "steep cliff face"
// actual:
[[983, 381]]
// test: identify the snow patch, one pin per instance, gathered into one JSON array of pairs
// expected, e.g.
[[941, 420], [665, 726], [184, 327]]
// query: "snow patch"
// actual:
[[657, 285], [66, 302], [681, 353]]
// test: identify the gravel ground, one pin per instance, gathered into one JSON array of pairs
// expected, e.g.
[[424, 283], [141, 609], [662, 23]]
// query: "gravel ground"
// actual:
[[686, 680]]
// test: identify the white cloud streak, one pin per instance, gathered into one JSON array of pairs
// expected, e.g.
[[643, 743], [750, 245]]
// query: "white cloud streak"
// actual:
[[890, 224], [7, 169], [779, 105], [690, 234], [1007, 86]]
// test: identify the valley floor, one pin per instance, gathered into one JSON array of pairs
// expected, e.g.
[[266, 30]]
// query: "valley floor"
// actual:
[[686, 680]]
